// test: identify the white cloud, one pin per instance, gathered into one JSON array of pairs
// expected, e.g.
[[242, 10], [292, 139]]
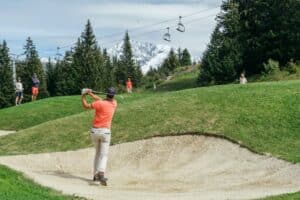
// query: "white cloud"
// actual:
[[53, 23]]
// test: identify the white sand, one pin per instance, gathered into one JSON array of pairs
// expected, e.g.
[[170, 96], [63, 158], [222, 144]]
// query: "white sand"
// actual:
[[181, 167], [3, 133]]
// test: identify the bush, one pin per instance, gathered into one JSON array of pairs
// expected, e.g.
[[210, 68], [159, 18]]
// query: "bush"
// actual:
[[292, 67], [271, 67]]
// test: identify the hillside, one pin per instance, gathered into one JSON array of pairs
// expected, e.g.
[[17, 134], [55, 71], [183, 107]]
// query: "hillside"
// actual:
[[263, 116]]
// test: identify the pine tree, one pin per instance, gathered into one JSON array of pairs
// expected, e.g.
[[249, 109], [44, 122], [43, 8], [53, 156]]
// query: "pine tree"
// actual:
[[169, 64], [179, 56], [50, 77], [108, 71], [222, 59], [31, 65], [6, 77], [66, 76], [87, 62], [185, 58], [127, 68]]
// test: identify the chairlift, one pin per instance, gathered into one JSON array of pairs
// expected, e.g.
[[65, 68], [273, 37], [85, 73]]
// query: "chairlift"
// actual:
[[167, 35], [180, 26]]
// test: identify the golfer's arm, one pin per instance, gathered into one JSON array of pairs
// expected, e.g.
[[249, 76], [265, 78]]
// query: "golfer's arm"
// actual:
[[95, 97], [85, 104]]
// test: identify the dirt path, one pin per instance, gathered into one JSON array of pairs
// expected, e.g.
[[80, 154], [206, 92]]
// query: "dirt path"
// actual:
[[2, 132], [181, 167]]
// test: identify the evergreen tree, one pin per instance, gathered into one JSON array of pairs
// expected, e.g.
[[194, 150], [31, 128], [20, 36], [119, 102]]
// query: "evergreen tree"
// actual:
[[185, 58], [179, 56], [51, 77], [222, 59], [127, 67], [6, 77], [26, 69], [172, 61], [269, 30], [66, 76], [87, 63], [169, 64], [108, 71], [249, 33]]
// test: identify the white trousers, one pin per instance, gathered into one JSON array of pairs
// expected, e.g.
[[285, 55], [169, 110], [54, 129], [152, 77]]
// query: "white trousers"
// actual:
[[101, 139]]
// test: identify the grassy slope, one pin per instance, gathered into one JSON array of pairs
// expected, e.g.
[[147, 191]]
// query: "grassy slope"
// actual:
[[271, 122], [30, 114], [181, 80], [294, 196], [14, 185], [264, 116]]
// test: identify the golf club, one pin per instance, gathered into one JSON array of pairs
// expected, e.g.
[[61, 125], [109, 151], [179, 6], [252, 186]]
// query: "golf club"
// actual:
[[84, 90]]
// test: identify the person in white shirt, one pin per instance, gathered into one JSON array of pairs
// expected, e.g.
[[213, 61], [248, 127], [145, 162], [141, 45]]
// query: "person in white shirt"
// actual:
[[19, 92], [243, 79]]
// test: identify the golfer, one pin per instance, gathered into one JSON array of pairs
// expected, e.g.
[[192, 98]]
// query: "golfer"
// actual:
[[101, 130], [129, 85], [35, 87], [19, 91]]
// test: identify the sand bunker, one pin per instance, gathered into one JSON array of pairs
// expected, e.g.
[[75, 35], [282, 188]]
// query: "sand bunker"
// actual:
[[181, 167], [3, 133]]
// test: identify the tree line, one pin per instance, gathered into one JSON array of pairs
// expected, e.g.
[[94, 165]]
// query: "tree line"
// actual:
[[173, 61], [248, 35], [84, 66]]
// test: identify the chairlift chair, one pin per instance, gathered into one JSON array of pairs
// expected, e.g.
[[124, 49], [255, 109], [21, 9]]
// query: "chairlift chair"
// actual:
[[180, 26], [167, 35]]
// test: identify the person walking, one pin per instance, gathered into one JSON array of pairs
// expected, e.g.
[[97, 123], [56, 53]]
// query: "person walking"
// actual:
[[35, 87], [101, 129], [19, 91], [129, 85]]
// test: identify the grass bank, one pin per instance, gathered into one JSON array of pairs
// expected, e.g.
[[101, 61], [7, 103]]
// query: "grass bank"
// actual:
[[263, 116], [14, 185]]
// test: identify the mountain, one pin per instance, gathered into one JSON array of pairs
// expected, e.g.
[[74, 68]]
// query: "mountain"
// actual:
[[146, 54]]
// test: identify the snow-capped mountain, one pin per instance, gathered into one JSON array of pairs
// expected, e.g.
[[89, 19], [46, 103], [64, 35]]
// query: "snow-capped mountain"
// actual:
[[146, 54]]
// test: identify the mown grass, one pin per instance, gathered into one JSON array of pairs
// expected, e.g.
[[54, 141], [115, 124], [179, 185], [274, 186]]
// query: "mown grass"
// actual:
[[263, 116], [34, 113], [293, 196], [14, 186]]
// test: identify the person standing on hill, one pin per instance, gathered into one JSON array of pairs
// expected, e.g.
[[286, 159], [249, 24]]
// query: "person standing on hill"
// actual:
[[35, 87], [19, 91], [129, 85], [101, 130], [243, 79]]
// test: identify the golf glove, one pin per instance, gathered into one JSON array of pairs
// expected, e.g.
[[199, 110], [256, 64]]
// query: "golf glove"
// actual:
[[85, 90]]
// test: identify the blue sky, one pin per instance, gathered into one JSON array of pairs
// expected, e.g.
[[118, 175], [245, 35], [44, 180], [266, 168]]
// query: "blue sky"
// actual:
[[52, 23]]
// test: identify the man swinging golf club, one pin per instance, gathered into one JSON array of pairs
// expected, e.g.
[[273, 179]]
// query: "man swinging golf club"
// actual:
[[101, 130]]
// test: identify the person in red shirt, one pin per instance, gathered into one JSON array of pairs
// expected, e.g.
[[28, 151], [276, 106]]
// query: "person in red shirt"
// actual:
[[129, 85], [101, 130]]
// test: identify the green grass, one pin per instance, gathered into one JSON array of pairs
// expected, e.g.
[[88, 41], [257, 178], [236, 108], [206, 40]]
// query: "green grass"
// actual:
[[294, 196], [14, 186], [34, 113], [181, 80], [262, 116]]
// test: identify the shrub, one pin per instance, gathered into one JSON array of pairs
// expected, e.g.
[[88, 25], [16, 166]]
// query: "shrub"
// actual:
[[292, 67], [271, 67]]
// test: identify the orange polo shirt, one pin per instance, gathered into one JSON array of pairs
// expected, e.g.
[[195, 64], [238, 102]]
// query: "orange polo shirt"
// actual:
[[129, 84], [104, 112]]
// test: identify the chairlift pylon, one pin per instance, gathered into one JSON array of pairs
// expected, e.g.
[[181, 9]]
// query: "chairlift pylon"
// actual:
[[167, 36], [180, 26], [58, 55]]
